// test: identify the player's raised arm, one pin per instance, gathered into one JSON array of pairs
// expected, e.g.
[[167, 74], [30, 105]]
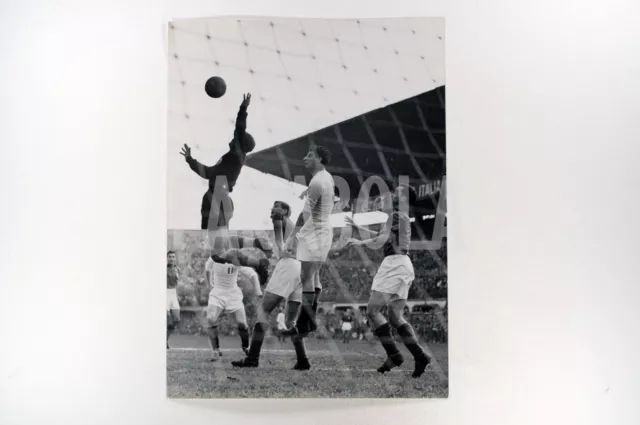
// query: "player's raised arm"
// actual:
[[349, 221], [388, 229], [380, 239], [225, 166], [240, 131], [277, 218], [208, 268], [255, 283], [200, 169], [277, 229]]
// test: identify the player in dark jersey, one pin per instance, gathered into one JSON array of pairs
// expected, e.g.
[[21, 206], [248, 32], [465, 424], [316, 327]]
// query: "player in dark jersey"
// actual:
[[217, 205], [391, 285], [347, 326], [284, 284], [173, 307], [261, 244]]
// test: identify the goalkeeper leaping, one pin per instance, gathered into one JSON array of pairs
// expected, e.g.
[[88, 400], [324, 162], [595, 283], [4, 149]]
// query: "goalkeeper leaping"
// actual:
[[217, 205]]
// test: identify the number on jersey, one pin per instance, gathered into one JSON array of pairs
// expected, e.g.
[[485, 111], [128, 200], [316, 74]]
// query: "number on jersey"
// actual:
[[230, 269]]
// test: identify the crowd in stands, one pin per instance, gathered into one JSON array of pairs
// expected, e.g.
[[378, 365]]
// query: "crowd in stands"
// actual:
[[431, 326], [346, 277]]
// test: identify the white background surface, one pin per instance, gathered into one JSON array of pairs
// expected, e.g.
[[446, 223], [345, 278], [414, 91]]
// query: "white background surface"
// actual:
[[542, 109]]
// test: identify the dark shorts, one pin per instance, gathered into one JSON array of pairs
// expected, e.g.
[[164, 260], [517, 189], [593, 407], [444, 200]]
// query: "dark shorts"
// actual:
[[218, 216]]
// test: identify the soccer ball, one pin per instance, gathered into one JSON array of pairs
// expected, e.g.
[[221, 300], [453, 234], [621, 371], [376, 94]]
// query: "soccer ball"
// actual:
[[215, 87]]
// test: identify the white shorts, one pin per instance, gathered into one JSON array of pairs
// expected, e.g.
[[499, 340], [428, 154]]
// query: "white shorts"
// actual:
[[394, 276], [227, 299], [285, 280], [346, 326], [172, 300], [313, 248]]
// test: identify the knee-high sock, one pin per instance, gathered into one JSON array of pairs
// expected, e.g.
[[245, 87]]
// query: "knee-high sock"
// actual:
[[316, 299], [410, 340], [212, 332], [259, 331], [293, 312], [308, 298], [301, 350], [307, 319], [383, 332], [243, 331], [170, 329]]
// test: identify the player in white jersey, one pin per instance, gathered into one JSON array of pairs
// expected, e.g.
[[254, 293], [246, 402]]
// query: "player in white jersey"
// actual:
[[314, 235], [222, 273], [284, 284], [249, 281]]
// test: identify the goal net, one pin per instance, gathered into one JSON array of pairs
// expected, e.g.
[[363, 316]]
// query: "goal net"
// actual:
[[303, 74]]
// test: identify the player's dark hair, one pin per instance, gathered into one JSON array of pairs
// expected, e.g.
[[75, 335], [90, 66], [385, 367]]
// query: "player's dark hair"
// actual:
[[286, 207], [248, 143], [171, 252], [324, 154]]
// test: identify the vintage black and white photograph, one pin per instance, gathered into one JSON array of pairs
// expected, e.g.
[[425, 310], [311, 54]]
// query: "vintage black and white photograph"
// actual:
[[307, 227]]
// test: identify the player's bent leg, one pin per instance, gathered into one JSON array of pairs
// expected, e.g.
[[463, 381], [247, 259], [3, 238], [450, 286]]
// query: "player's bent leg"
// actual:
[[316, 280], [377, 302], [308, 271], [396, 310], [293, 313], [302, 360], [304, 324], [173, 312], [409, 338], [240, 317], [307, 277], [382, 330], [314, 307], [175, 315], [213, 314], [170, 326], [269, 303], [172, 322]]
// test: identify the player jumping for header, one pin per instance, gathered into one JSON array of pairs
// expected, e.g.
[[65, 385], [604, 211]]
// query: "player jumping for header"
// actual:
[[391, 285], [217, 205], [314, 236], [284, 284]]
